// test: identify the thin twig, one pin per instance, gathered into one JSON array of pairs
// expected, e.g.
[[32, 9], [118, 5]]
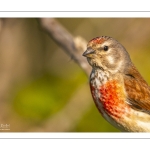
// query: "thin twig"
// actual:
[[74, 47]]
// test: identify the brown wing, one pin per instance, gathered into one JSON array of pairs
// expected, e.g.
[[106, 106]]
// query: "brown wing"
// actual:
[[138, 91]]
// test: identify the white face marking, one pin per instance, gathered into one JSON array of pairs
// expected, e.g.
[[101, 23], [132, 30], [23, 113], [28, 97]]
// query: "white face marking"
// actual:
[[110, 59], [118, 66]]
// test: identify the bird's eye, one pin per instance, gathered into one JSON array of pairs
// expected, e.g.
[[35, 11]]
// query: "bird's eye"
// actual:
[[105, 48]]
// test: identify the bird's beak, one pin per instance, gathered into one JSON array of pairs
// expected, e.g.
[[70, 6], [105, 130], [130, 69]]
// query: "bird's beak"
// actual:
[[88, 52]]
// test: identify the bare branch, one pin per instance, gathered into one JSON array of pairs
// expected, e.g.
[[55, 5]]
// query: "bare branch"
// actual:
[[74, 47]]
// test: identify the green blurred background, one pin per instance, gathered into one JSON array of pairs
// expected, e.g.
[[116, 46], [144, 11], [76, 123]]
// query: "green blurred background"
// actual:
[[42, 89]]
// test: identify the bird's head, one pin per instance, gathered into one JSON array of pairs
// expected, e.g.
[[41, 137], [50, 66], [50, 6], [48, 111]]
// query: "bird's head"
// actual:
[[107, 54]]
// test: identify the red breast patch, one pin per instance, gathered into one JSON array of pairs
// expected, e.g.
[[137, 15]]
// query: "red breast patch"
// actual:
[[112, 97]]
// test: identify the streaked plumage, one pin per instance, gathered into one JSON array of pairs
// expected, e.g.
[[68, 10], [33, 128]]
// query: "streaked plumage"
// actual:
[[119, 91]]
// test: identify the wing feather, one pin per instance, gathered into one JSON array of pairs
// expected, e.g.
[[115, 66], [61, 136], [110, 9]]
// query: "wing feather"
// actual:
[[138, 91]]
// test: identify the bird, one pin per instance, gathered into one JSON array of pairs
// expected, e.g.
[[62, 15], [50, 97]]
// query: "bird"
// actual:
[[120, 93]]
